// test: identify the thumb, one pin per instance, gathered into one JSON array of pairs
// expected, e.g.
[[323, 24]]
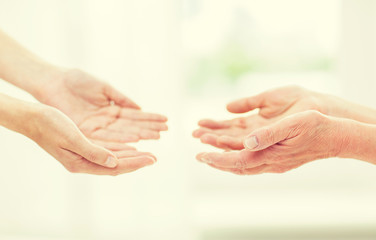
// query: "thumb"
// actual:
[[247, 104], [119, 98], [267, 136], [96, 154]]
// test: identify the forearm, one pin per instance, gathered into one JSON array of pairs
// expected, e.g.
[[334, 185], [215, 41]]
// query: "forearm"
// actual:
[[22, 68], [17, 115], [341, 108], [356, 140]]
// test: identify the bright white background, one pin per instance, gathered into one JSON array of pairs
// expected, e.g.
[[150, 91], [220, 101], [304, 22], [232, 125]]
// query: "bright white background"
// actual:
[[147, 49]]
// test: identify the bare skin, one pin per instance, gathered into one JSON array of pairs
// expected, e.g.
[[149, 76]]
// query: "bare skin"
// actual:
[[60, 137], [100, 111], [294, 126], [294, 141], [90, 111], [274, 105]]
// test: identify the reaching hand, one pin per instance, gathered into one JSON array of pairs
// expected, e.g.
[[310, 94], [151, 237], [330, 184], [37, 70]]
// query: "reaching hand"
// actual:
[[281, 102], [61, 138], [282, 146], [100, 111], [228, 134], [273, 105]]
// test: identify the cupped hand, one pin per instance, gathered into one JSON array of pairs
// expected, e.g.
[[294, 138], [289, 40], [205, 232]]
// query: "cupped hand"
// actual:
[[282, 146], [100, 111], [228, 134], [273, 105], [60, 137]]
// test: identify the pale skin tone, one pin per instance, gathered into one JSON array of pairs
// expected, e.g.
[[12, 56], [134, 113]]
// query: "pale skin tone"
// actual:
[[85, 109], [61, 138], [294, 126]]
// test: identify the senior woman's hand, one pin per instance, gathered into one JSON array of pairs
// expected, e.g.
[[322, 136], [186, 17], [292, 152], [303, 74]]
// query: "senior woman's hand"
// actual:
[[294, 141], [274, 105]]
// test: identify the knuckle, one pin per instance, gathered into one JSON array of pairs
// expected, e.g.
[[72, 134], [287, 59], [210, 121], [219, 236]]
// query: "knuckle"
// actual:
[[92, 157], [241, 163], [269, 135]]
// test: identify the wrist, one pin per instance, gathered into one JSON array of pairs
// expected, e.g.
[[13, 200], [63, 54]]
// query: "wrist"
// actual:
[[18, 115], [44, 81], [355, 140]]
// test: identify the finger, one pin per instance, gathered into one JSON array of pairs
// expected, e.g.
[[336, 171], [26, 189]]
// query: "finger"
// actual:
[[233, 143], [151, 125], [236, 159], [125, 165], [201, 131], [157, 126], [267, 136], [249, 171], [112, 146], [208, 123], [93, 153], [246, 104], [127, 154], [212, 139], [140, 115], [114, 136], [148, 134], [119, 98]]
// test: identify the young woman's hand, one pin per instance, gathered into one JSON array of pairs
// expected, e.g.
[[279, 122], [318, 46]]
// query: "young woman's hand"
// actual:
[[99, 110], [61, 138]]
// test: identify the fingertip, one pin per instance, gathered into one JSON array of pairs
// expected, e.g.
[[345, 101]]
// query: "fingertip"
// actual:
[[200, 155], [160, 118], [135, 106], [235, 107], [229, 107], [150, 160], [251, 143], [203, 122], [196, 133], [208, 138], [164, 128], [111, 161]]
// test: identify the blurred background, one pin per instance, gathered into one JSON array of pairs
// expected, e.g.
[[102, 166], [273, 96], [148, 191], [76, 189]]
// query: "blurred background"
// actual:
[[187, 59]]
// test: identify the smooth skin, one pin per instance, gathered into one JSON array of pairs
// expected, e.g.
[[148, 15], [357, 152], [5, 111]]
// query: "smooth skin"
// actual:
[[294, 126], [90, 120], [61, 138]]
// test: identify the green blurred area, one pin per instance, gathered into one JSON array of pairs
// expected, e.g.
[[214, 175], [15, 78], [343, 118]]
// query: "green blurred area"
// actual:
[[233, 61]]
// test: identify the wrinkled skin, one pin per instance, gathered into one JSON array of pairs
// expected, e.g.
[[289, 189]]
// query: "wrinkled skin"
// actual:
[[282, 146], [273, 105]]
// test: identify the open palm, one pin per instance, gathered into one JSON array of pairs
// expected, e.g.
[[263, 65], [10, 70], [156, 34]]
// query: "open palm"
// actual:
[[228, 134], [101, 112], [273, 105]]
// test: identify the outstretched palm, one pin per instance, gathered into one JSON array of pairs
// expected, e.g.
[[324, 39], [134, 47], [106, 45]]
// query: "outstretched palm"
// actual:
[[228, 134], [273, 105], [101, 112]]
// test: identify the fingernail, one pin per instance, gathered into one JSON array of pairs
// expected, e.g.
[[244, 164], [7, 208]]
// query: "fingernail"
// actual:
[[111, 162], [251, 142], [152, 160], [205, 159]]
